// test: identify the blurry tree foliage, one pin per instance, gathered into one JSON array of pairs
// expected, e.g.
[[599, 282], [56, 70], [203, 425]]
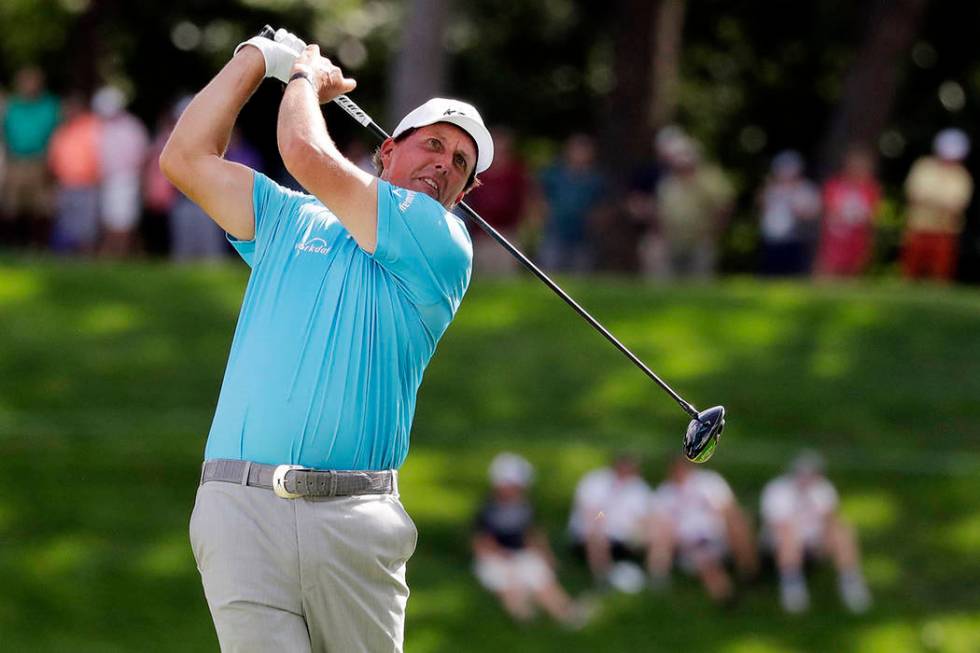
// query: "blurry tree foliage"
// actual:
[[746, 77]]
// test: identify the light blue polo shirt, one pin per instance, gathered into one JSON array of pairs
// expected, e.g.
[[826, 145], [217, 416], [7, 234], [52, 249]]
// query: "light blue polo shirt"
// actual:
[[332, 341]]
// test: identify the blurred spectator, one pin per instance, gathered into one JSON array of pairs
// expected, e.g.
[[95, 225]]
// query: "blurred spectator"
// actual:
[[74, 160], [124, 147], [790, 205], [573, 190], [29, 121], [359, 154], [193, 235], [801, 523], [241, 151], [696, 520], [3, 157], [694, 200], [850, 200], [641, 202], [159, 195], [501, 200], [513, 558], [609, 518], [938, 190]]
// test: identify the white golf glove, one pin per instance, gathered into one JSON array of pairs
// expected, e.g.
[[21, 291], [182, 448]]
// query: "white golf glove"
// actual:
[[279, 53]]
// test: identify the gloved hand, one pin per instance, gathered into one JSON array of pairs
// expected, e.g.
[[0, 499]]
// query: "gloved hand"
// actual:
[[279, 52]]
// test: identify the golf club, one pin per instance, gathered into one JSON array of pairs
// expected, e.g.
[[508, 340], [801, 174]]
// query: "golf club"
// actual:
[[705, 426]]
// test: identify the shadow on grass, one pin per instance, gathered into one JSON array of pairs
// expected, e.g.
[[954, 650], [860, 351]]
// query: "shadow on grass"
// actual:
[[109, 374]]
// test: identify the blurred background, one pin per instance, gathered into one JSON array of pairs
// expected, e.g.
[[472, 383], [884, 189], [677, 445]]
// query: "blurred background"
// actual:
[[771, 203]]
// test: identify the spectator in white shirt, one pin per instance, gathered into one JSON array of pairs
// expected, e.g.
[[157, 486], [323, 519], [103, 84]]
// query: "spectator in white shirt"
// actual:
[[609, 514], [696, 520], [801, 521]]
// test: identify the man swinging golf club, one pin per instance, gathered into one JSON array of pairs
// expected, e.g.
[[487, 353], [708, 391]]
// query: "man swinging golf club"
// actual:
[[297, 529]]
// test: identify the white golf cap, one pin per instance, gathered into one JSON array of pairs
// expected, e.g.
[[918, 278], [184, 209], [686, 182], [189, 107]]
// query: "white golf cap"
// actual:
[[510, 469], [463, 115]]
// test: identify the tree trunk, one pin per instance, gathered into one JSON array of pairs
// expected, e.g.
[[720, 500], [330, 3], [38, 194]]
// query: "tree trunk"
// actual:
[[418, 66], [646, 62], [668, 32], [869, 88], [626, 133]]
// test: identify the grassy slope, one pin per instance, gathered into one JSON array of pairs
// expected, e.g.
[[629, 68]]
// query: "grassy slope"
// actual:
[[108, 377]]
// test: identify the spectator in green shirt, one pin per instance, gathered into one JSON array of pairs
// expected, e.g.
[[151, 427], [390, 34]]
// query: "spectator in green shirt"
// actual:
[[31, 116]]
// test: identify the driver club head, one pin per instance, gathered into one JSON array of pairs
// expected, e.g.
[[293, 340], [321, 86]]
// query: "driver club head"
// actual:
[[702, 434]]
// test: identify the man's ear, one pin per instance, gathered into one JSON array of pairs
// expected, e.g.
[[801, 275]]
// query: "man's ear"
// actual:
[[385, 151]]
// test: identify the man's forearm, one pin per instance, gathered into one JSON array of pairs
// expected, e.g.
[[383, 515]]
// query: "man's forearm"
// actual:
[[301, 124], [205, 126]]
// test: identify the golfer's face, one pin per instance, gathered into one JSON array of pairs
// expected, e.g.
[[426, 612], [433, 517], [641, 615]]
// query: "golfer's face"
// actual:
[[436, 160]]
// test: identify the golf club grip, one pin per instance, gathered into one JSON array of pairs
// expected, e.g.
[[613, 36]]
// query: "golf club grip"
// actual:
[[343, 101], [359, 115]]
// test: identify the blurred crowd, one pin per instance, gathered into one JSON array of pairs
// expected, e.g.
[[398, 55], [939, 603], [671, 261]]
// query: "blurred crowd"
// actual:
[[669, 221], [632, 537], [79, 175]]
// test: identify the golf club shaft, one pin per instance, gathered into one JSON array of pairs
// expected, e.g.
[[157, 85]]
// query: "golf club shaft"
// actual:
[[358, 114]]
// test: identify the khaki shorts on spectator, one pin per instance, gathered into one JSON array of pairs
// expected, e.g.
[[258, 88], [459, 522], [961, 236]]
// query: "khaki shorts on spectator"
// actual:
[[523, 569], [26, 188]]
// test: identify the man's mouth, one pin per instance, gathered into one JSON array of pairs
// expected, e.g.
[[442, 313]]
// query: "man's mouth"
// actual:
[[430, 185]]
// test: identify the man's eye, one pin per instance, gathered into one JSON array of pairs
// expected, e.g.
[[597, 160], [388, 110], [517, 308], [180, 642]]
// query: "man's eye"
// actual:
[[434, 142], [460, 162]]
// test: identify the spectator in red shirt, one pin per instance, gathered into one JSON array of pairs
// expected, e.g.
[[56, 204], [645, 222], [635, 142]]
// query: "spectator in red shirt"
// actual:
[[500, 200], [850, 200], [73, 157]]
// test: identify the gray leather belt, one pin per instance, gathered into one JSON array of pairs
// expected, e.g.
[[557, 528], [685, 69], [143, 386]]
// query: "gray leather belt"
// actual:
[[294, 481]]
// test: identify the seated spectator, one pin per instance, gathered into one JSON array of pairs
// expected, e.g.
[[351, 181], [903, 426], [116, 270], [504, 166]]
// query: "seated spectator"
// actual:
[[501, 200], [790, 207], [609, 517], [696, 521], [74, 160], [513, 558], [850, 199], [800, 523]]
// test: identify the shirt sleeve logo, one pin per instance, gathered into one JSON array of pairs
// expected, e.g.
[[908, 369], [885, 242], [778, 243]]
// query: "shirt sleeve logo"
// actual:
[[406, 197]]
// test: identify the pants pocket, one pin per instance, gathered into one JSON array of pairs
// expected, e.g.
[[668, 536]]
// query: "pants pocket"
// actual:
[[411, 531], [194, 528]]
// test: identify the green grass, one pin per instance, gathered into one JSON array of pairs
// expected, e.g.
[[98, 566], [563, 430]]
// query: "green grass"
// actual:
[[109, 374]]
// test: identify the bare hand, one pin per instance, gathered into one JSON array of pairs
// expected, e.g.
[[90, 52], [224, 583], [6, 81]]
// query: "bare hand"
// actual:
[[328, 79]]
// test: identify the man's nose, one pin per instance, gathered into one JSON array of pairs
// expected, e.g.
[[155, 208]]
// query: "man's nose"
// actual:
[[442, 167]]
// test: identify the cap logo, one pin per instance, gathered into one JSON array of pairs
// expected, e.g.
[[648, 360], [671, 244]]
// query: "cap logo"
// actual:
[[449, 112]]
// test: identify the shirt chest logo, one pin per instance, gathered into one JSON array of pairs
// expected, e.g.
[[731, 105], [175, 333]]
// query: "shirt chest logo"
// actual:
[[313, 245]]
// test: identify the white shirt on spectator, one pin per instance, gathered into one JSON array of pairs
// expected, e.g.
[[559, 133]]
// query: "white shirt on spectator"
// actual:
[[806, 506], [696, 506], [625, 504]]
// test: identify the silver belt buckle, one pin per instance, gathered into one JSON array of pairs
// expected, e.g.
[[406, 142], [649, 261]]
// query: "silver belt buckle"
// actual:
[[279, 481]]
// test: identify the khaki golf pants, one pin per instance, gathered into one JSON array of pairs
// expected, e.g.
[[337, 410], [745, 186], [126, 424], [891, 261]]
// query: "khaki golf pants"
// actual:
[[311, 574]]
